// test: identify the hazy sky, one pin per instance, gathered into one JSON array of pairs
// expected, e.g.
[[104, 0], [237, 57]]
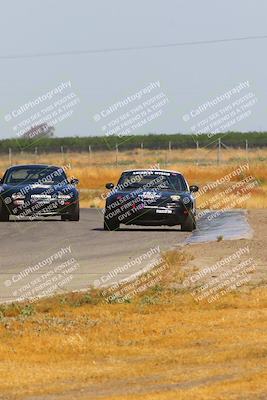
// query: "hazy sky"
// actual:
[[189, 75]]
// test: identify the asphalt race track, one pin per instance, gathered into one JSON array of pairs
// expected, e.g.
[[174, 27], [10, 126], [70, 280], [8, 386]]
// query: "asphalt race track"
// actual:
[[25, 243], [51, 256]]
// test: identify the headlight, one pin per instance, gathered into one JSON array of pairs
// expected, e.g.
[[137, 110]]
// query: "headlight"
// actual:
[[17, 196], [186, 200], [175, 197]]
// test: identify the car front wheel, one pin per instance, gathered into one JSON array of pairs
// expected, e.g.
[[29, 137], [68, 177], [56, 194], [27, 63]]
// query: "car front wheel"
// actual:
[[73, 216], [111, 225], [4, 214], [189, 224]]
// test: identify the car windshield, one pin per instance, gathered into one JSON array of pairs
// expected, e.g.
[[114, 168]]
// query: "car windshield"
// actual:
[[39, 175], [159, 180]]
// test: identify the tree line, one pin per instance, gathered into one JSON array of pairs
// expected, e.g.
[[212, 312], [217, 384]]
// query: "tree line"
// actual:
[[150, 141]]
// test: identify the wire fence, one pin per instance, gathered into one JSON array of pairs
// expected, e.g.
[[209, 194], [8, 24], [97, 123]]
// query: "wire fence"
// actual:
[[213, 153]]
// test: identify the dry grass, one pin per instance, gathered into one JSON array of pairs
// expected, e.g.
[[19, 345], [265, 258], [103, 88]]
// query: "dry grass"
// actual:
[[174, 349]]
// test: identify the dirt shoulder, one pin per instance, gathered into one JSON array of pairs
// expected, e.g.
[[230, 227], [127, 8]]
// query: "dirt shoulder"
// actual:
[[225, 256]]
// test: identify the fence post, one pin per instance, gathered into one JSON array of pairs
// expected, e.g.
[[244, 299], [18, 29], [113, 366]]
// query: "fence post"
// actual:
[[10, 155], [62, 153], [117, 151], [219, 152], [197, 144]]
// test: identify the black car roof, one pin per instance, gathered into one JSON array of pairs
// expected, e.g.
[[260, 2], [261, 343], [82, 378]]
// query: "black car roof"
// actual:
[[152, 170], [33, 166]]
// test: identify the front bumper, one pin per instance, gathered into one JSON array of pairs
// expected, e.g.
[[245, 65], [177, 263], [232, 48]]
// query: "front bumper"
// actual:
[[150, 215], [41, 208]]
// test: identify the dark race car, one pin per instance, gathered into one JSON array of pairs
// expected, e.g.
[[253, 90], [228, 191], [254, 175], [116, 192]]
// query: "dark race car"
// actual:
[[151, 197], [38, 191]]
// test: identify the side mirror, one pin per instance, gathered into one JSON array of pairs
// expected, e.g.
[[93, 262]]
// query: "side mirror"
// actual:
[[194, 188], [74, 181], [109, 185]]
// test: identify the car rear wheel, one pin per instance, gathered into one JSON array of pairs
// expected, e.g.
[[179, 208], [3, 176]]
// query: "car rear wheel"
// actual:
[[4, 214], [111, 225], [189, 224]]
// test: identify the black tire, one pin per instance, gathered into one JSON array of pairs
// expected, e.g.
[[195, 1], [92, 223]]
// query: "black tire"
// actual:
[[189, 224], [74, 216], [113, 225], [4, 214]]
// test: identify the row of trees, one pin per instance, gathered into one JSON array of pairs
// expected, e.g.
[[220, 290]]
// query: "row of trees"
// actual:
[[151, 141]]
